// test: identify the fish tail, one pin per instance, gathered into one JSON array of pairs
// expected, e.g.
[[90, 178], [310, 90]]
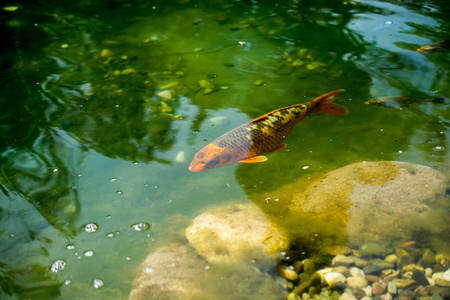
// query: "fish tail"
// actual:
[[325, 105]]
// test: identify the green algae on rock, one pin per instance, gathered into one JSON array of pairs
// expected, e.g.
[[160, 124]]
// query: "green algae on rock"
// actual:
[[369, 199]]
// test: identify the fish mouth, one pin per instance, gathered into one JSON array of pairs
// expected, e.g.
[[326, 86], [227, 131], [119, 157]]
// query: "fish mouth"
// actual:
[[195, 168]]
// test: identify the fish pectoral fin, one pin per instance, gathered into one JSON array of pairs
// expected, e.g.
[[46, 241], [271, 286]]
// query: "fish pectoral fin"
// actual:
[[254, 159], [278, 148]]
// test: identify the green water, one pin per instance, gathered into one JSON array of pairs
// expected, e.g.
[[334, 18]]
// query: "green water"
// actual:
[[86, 139]]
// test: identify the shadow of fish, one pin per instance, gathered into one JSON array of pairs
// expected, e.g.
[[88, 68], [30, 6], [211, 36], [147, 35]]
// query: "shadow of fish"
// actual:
[[400, 101], [247, 143]]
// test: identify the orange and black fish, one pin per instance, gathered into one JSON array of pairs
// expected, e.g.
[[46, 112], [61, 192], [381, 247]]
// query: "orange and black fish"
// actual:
[[265, 134]]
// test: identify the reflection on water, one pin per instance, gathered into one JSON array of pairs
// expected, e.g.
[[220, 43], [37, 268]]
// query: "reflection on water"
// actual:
[[95, 91]]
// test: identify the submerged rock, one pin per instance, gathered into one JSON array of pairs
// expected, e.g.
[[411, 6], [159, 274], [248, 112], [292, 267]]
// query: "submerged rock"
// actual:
[[170, 273], [177, 272], [370, 199], [235, 232]]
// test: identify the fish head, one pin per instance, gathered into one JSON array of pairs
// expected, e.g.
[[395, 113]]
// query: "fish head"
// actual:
[[212, 157]]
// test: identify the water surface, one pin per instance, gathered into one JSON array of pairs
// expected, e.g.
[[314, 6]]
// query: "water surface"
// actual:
[[89, 149]]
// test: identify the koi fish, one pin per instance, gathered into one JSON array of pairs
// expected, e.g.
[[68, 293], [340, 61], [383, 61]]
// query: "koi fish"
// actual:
[[247, 143], [400, 101]]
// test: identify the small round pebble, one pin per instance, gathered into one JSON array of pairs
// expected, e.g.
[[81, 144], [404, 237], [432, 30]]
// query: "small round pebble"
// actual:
[[356, 282]]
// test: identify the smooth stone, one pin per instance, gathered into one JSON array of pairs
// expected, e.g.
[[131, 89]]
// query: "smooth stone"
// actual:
[[446, 275], [309, 267], [220, 121], [358, 292], [368, 291], [165, 94], [386, 296], [333, 278], [379, 287], [371, 269], [372, 278], [356, 272], [391, 258], [392, 288], [428, 259], [343, 270], [393, 275], [413, 267], [287, 272], [404, 260], [341, 260], [419, 277], [442, 282], [180, 157], [443, 260], [359, 198], [175, 271], [403, 283], [235, 232], [358, 282], [359, 262], [382, 264], [347, 296]]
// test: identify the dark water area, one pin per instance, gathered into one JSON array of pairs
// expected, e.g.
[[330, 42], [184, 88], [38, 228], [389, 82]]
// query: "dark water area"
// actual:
[[105, 103]]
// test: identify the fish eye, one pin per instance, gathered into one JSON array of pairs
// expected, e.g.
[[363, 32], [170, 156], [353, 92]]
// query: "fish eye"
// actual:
[[213, 162]]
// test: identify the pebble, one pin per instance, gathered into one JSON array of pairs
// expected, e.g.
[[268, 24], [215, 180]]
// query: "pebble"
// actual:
[[165, 94], [386, 296], [180, 157], [442, 282], [371, 269], [391, 258], [309, 267], [341, 260], [413, 267], [333, 277], [287, 272], [220, 121], [347, 296], [403, 283], [379, 287], [343, 270], [392, 288], [368, 291], [446, 275], [357, 281], [419, 277], [356, 272]]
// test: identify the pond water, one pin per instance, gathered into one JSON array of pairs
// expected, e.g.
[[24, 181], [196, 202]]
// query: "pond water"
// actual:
[[105, 103]]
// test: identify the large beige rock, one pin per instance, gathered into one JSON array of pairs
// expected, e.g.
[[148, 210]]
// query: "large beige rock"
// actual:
[[372, 200], [177, 272], [235, 232], [170, 273]]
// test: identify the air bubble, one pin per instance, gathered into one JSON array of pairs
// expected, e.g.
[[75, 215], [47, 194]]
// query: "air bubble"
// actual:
[[91, 227], [140, 226], [58, 265]]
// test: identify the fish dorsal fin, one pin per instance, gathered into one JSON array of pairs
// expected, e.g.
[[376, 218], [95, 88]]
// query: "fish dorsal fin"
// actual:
[[254, 159]]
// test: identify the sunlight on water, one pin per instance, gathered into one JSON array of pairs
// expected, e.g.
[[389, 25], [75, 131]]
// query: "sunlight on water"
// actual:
[[105, 105]]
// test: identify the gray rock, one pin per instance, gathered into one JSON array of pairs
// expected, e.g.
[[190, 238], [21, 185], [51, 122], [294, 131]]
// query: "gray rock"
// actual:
[[371, 270]]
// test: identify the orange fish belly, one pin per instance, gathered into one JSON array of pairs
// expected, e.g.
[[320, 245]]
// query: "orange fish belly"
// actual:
[[265, 134]]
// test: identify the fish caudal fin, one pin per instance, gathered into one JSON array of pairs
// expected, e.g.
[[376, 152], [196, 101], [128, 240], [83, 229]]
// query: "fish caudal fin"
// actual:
[[330, 108]]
